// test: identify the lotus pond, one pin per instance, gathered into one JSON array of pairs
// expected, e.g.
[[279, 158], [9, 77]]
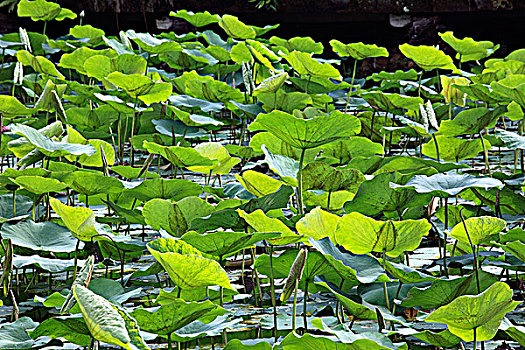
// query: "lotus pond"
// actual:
[[226, 188]]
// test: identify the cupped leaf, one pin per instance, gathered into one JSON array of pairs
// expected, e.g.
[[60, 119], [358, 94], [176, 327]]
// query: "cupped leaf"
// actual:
[[358, 51], [262, 223], [318, 224], [168, 318], [186, 266], [11, 107], [480, 313], [452, 149], [257, 183], [39, 185], [480, 229], [107, 322], [304, 63], [319, 176], [197, 19], [223, 244], [307, 133], [362, 235], [443, 291], [467, 48], [215, 152], [235, 28], [79, 220], [427, 57], [41, 10]]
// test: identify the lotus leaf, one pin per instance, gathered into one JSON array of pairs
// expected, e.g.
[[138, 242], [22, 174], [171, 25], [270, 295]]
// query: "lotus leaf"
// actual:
[[427, 57], [476, 317], [362, 235], [186, 266], [358, 51], [307, 133], [107, 322]]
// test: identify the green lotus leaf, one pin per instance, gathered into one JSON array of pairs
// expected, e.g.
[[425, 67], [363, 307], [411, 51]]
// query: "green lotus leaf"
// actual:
[[373, 341], [198, 329], [11, 107], [467, 48], [442, 339], [304, 63], [131, 173], [79, 220], [361, 235], [174, 189], [236, 344], [151, 44], [39, 185], [358, 51], [91, 184], [452, 149], [49, 147], [221, 244], [511, 139], [512, 87], [405, 274], [480, 313], [168, 318], [191, 102], [71, 328], [215, 151], [516, 248], [77, 58], [303, 44], [480, 229], [41, 10], [307, 133], [276, 146], [471, 121], [14, 335], [39, 63], [141, 87], [186, 266], [319, 176], [346, 149], [318, 198], [262, 223], [240, 53], [515, 332], [196, 19], [257, 183], [21, 209], [393, 103], [107, 322], [175, 217], [448, 184], [87, 31], [427, 57], [100, 66], [375, 196], [286, 101], [442, 292], [271, 84], [182, 157], [44, 236], [206, 88], [235, 28]]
